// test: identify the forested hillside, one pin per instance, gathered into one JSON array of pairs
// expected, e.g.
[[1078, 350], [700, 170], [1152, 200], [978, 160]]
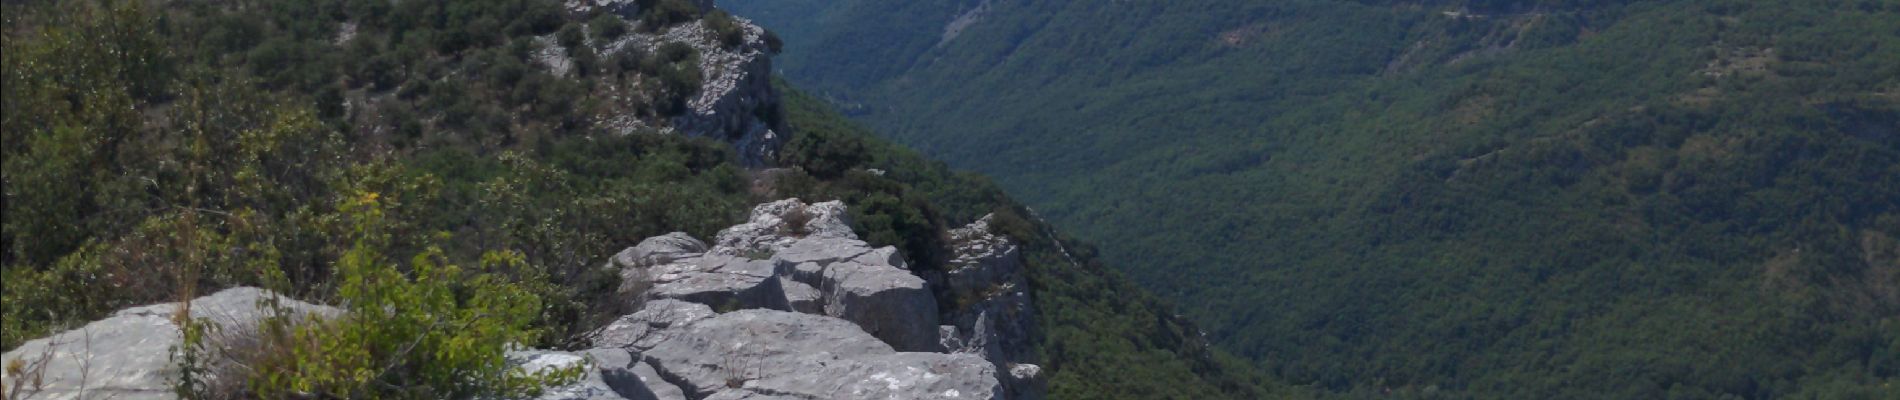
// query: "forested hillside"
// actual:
[[1491, 199], [158, 150]]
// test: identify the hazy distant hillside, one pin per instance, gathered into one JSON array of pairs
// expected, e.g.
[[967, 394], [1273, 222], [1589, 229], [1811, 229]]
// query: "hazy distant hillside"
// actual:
[[1636, 199]]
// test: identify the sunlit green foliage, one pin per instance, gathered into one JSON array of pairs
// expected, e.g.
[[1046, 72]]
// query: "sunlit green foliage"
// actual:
[[424, 330]]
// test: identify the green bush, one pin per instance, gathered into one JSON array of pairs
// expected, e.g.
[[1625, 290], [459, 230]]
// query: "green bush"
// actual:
[[657, 15], [725, 28], [427, 330], [607, 27], [570, 36], [679, 76]]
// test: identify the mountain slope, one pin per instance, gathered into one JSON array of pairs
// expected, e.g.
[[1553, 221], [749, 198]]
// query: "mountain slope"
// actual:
[[158, 150], [1103, 337], [1501, 199]]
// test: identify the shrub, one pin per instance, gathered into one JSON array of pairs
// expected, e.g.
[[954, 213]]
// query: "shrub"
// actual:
[[680, 75], [773, 43], [657, 15], [631, 59], [608, 27], [797, 222], [437, 331], [570, 37], [725, 28]]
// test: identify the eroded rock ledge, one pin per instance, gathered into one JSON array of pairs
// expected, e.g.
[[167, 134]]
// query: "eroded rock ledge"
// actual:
[[792, 305]]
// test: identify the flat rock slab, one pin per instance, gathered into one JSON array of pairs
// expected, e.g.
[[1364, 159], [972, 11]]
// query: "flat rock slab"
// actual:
[[776, 224], [895, 376], [659, 250], [128, 355], [723, 282], [779, 353], [647, 327], [822, 250]]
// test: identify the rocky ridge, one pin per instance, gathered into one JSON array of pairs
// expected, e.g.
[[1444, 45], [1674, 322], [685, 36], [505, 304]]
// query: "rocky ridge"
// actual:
[[791, 304]]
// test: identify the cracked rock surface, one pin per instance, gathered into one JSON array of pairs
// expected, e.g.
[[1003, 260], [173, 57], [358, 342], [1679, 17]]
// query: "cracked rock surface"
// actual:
[[128, 355], [789, 305], [792, 305]]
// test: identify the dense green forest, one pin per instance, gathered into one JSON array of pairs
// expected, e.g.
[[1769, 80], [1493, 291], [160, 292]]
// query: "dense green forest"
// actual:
[[154, 150], [1462, 199]]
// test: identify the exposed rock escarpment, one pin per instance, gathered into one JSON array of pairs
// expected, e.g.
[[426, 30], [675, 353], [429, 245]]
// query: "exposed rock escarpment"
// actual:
[[791, 304], [991, 314]]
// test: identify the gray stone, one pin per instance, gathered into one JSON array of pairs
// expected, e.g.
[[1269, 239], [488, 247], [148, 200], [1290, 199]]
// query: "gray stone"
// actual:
[[823, 250], [127, 355], [856, 308], [890, 303], [1025, 382], [623, 8], [735, 90], [993, 314], [809, 273], [609, 374], [744, 394], [894, 376], [656, 387], [723, 351], [723, 282], [769, 231], [802, 297], [808, 356], [590, 387], [886, 255], [981, 260], [647, 327], [659, 250], [950, 339]]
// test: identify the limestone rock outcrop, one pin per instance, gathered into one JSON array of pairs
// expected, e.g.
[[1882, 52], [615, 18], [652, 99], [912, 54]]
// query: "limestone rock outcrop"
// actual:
[[128, 355], [792, 256], [735, 102], [791, 304], [778, 226], [991, 314]]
